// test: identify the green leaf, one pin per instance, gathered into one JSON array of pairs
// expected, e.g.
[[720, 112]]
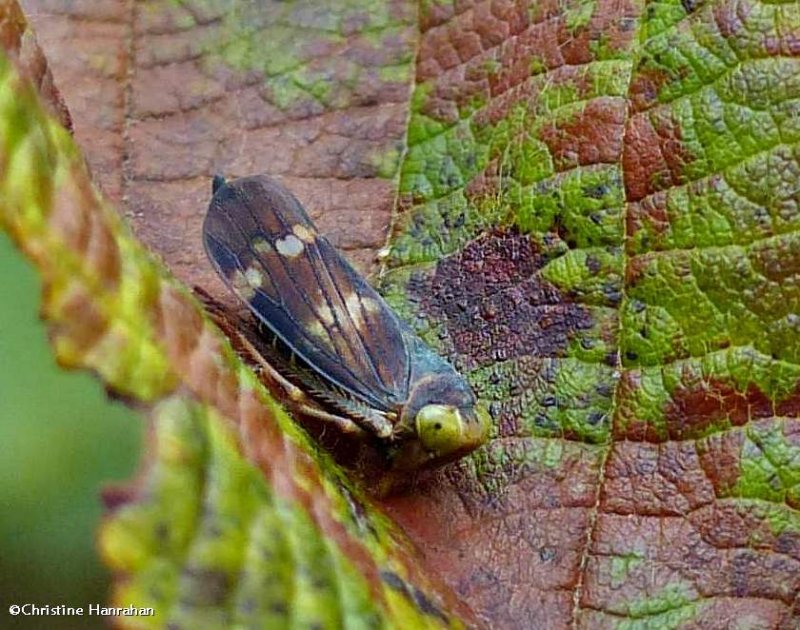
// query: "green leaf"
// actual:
[[599, 226]]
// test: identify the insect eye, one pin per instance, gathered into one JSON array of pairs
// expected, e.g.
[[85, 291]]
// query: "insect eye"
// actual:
[[440, 428]]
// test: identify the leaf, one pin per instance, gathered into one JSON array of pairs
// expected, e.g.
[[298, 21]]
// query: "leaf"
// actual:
[[596, 219], [636, 331], [238, 518]]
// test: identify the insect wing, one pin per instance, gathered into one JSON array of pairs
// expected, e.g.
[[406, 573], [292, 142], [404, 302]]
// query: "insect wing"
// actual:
[[266, 248]]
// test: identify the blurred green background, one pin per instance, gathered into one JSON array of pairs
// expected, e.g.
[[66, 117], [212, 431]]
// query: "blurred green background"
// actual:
[[61, 441]]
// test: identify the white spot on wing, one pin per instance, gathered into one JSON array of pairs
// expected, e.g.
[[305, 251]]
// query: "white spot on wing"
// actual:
[[254, 277], [289, 246], [242, 285], [262, 246]]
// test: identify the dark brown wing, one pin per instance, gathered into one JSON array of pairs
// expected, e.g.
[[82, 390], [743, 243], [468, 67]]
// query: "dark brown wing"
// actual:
[[268, 251]]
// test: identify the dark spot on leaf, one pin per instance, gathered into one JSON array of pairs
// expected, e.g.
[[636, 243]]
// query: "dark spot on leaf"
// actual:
[[788, 543], [743, 567], [494, 304], [587, 343], [549, 401], [319, 582], [596, 192], [690, 5], [543, 422], [611, 359], [207, 587], [358, 514], [392, 580], [593, 264], [117, 496], [426, 605], [631, 356], [547, 554], [605, 390], [612, 294], [422, 601], [595, 418], [558, 225], [162, 532]]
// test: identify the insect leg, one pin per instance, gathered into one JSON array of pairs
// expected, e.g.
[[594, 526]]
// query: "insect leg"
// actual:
[[346, 425], [293, 391], [368, 419], [378, 425]]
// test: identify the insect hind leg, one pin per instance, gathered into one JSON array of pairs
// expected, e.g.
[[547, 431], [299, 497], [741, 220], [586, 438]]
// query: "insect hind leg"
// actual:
[[372, 421], [294, 393], [346, 425]]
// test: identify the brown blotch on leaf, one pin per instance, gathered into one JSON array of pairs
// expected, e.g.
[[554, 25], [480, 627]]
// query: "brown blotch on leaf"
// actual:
[[494, 304], [654, 155], [116, 496], [594, 136], [83, 232], [636, 269], [650, 215], [79, 321], [695, 409], [645, 88], [720, 455]]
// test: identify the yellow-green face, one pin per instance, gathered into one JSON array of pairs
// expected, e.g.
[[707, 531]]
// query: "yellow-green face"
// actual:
[[446, 432]]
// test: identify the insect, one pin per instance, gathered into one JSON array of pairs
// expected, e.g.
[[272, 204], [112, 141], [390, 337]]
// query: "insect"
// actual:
[[346, 346]]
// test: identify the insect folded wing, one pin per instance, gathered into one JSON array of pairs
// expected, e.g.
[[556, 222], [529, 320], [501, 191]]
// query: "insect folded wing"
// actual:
[[267, 249]]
